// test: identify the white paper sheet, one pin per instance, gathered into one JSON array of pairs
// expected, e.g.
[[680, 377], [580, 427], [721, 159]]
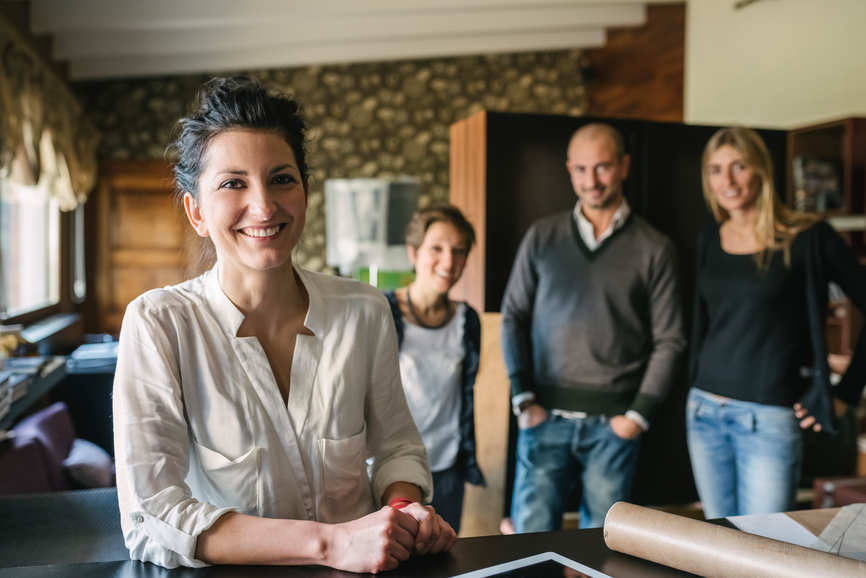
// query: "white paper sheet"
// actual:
[[846, 534], [775, 526]]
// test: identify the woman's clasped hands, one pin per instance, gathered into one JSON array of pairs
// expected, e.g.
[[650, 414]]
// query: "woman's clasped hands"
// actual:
[[381, 540]]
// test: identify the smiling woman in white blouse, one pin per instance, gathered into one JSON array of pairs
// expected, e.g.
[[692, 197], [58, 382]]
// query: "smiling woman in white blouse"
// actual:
[[247, 400]]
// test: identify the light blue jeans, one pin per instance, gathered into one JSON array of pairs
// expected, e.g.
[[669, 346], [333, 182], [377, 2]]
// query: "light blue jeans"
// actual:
[[746, 456], [554, 455]]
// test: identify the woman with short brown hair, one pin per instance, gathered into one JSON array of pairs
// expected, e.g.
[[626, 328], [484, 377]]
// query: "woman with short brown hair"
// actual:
[[440, 346]]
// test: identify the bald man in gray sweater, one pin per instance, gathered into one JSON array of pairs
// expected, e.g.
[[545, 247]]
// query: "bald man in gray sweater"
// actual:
[[592, 333]]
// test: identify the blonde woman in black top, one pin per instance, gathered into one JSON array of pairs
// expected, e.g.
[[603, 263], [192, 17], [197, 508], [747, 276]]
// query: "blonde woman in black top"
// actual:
[[758, 367]]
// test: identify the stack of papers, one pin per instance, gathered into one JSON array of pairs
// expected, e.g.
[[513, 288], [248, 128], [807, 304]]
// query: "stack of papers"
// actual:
[[18, 383], [25, 365], [96, 351], [846, 534], [93, 356], [5, 394], [776, 526], [20, 372], [11, 330]]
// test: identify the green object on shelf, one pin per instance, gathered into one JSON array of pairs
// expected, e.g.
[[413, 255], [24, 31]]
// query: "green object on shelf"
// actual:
[[386, 280]]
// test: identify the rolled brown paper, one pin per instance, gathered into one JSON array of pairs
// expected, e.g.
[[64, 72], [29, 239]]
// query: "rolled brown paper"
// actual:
[[713, 551]]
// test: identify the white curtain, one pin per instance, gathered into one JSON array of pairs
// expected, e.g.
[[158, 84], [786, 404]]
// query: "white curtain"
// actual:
[[46, 139]]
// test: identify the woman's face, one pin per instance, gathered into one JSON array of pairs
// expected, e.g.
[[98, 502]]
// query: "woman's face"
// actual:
[[440, 259], [251, 200], [734, 182]]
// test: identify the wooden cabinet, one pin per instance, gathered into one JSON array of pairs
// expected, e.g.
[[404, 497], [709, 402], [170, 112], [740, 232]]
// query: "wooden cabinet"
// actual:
[[143, 236]]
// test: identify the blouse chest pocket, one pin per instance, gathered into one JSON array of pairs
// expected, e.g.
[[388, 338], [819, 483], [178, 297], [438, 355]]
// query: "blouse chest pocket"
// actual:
[[343, 464], [231, 483]]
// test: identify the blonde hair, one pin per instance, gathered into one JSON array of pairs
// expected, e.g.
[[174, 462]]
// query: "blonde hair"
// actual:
[[775, 224]]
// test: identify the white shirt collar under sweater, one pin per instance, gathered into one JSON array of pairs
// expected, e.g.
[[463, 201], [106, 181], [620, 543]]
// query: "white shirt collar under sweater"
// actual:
[[585, 228]]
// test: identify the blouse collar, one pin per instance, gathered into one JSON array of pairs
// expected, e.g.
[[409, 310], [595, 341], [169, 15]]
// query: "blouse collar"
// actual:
[[230, 317]]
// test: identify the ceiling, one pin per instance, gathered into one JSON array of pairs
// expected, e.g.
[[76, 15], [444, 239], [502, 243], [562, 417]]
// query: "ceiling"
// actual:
[[128, 38]]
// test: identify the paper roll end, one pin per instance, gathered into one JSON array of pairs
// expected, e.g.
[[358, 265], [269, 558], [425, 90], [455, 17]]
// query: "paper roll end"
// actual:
[[617, 505]]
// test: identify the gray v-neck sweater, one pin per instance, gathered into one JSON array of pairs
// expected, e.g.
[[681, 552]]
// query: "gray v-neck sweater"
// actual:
[[594, 331]]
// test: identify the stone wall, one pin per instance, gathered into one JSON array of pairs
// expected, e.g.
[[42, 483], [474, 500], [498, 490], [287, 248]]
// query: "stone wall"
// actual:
[[368, 120]]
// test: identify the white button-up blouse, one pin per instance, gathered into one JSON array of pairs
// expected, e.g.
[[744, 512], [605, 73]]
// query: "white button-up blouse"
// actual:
[[201, 428]]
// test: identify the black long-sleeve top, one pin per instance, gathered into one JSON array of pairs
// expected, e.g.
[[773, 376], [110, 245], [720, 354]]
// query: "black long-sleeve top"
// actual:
[[824, 257], [757, 334]]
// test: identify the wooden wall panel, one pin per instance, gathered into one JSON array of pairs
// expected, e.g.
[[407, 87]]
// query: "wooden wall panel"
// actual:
[[482, 507], [147, 219], [141, 234], [469, 194], [639, 74], [130, 282]]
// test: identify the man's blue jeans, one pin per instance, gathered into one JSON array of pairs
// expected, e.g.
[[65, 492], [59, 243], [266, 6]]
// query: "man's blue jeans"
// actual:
[[745, 456], [553, 455]]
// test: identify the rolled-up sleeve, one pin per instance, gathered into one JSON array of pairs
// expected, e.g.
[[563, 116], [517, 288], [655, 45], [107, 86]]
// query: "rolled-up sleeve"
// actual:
[[393, 440], [161, 520]]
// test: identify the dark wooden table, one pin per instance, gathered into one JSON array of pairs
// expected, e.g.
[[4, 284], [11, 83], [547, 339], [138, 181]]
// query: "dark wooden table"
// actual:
[[584, 546], [78, 534]]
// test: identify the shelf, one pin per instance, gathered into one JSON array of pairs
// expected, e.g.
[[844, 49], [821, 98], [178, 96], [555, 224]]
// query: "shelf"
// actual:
[[840, 148]]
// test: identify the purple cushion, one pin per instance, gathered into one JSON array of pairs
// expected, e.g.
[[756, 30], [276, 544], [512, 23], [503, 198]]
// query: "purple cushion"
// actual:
[[53, 428], [90, 465], [22, 468]]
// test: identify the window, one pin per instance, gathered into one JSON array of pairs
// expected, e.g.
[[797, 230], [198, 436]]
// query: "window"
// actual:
[[76, 238], [29, 249]]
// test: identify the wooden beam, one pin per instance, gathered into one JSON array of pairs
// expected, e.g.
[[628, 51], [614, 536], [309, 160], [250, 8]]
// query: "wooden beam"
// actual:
[[49, 16], [640, 71], [305, 55], [340, 30]]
